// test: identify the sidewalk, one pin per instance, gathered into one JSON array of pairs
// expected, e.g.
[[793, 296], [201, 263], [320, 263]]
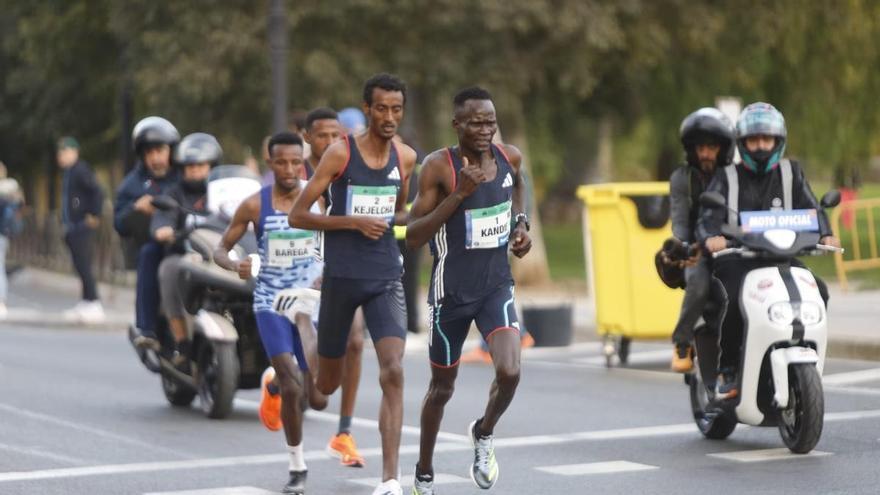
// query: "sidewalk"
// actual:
[[38, 298]]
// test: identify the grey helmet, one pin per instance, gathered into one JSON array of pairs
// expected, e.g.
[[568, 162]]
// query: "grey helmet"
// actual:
[[761, 119], [152, 131], [199, 147], [707, 124]]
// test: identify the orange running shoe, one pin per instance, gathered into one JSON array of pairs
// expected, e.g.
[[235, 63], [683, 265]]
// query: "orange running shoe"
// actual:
[[270, 404], [527, 341], [477, 355], [342, 447]]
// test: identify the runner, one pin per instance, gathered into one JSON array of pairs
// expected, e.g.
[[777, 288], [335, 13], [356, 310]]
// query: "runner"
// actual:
[[323, 129], [366, 176], [286, 261], [469, 197]]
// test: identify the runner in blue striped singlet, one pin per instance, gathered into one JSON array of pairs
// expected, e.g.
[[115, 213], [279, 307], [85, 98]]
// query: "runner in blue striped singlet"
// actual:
[[366, 176], [287, 261], [470, 207]]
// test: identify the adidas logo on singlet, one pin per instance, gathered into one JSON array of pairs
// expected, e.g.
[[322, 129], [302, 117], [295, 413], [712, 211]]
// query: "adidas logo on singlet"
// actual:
[[394, 175], [508, 181]]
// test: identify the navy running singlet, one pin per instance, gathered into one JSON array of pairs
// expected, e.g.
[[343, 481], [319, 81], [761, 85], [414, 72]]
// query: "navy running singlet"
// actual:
[[470, 249], [362, 191]]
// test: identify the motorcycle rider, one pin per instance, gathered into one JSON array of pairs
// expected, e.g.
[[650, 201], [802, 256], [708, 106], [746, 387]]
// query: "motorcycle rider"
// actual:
[[762, 180], [197, 154], [707, 138], [153, 138]]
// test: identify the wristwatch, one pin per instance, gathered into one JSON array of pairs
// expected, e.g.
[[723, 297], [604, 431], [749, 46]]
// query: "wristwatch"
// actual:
[[522, 217]]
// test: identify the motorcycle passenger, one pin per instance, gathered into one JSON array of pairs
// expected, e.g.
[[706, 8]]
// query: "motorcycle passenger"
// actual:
[[197, 153], [707, 138], [153, 138], [762, 180]]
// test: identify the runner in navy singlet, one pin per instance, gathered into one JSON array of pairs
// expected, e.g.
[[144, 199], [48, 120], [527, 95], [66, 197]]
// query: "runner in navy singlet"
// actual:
[[366, 176], [470, 206]]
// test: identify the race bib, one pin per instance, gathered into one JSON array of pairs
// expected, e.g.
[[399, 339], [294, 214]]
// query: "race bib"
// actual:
[[488, 228], [372, 201], [289, 247], [796, 220]]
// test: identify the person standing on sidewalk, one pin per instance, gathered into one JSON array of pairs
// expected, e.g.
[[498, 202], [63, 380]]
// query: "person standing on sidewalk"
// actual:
[[10, 223], [81, 201]]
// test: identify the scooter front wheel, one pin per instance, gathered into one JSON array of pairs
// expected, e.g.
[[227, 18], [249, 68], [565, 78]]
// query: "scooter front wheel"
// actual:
[[800, 424], [218, 377]]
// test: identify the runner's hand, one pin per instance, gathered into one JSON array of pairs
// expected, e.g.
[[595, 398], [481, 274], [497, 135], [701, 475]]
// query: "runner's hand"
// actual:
[[243, 267], [522, 243], [469, 178], [371, 227]]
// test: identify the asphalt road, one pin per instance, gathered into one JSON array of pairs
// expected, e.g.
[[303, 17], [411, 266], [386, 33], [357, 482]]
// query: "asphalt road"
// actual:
[[79, 414]]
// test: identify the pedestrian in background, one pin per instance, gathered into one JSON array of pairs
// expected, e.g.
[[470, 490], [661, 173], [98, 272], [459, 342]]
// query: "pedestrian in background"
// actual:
[[10, 224], [81, 202]]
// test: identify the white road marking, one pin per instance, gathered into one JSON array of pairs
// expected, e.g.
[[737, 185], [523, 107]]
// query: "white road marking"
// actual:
[[645, 357], [35, 452], [91, 430], [852, 377], [764, 455], [854, 390], [440, 479], [233, 490], [596, 468], [320, 455]]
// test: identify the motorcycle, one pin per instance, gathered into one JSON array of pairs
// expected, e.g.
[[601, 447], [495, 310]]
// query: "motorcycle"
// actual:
[[785, 334], [226, 353]]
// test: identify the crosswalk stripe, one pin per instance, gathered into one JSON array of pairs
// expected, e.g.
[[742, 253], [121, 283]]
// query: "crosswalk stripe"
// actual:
[[232, 490], [439, 479], [596, 468], [764, 455]]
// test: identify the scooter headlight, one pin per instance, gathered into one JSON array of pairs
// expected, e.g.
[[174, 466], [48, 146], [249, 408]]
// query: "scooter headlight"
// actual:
[[781, 313], [811, 313]]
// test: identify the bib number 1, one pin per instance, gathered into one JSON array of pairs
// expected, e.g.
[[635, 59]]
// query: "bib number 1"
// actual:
[[488, 228]]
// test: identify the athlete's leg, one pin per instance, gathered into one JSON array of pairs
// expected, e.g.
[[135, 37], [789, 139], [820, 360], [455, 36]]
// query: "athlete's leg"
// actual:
[[498, 323], [339, 299], [343, 445], [308, 337], [385, 315]]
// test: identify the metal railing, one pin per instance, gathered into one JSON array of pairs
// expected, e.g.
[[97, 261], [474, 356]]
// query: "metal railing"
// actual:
[[41, 244], [862, 259]]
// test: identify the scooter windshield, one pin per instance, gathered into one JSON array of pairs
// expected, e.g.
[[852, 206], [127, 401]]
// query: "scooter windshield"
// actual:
[[228, 186]]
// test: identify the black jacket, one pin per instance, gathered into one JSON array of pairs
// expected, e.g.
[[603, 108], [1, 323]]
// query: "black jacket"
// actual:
[[685, 186], [127, 221], [758, 192], [191, 199], [80, 195]]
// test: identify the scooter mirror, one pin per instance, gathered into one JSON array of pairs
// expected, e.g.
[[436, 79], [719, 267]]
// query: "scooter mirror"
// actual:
[[712, 199], [164, 203], [830, 199]]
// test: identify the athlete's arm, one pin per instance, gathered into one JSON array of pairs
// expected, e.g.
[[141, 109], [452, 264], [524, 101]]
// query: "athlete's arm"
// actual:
[[332, 164], [407, 158], [429, 212], [522, 243], [248, 211]]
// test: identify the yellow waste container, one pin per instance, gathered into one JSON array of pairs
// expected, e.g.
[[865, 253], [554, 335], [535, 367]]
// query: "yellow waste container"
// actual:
[[624, 226]]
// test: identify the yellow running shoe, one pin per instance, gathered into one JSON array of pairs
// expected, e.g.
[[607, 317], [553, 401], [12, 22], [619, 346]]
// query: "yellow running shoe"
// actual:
[[342, 447], [270, 404]]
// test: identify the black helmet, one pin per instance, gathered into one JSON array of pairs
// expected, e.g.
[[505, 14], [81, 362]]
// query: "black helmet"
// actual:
[[199, 147], [152, 131], [707, 124]]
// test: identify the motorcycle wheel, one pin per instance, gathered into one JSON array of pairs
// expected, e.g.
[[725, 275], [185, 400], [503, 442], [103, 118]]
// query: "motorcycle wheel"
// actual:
[[715, 425], [178, 395], [800, 424], [218, 377]]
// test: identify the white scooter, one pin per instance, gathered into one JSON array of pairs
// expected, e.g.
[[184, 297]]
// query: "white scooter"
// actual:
[[785, 334]]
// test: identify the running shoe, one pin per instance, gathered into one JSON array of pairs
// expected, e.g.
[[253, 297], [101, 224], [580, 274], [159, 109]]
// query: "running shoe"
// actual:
[[343, 447], [297, 483], [270, 402], [725, 387], [423, 486], [390, 487], [484, 470], [682, 358], [527, 341]]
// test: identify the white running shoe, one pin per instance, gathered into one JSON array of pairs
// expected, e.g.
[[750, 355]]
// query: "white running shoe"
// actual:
[[423, 487], [390, 487], [484, 470], [92, 313]]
